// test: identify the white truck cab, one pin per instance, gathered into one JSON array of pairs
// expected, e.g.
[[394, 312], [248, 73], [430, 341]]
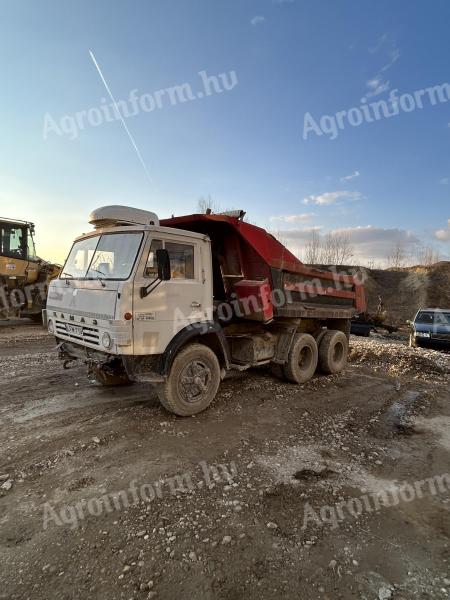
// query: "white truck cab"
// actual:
[[109, 305]]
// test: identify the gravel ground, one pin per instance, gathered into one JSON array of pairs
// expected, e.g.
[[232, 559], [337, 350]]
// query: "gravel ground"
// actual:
[[105, 495], [396, 358]]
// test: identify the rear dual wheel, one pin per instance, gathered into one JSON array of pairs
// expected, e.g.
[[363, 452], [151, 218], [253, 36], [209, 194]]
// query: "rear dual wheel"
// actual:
[[302, 359], [333, 352], [305, 357]]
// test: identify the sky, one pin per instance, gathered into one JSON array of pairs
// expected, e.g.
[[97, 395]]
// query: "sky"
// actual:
[[254, 103]]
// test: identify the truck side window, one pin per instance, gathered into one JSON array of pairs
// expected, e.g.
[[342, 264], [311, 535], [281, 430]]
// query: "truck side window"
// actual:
[[181, 260], [151, 268]]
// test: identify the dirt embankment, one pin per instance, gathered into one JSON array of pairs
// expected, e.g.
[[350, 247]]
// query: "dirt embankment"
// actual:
[[405, 291]]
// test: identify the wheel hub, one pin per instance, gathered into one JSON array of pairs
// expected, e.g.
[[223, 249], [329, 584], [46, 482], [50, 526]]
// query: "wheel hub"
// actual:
[[194, 381]]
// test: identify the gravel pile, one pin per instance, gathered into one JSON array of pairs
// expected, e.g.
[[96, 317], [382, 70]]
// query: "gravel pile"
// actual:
[[397, 359]]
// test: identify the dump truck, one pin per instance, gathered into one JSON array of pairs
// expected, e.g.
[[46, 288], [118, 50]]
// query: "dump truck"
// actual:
[[24, 277], [179, 302]]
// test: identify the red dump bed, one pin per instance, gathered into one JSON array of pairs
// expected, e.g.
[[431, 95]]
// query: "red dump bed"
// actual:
[[242, 251]]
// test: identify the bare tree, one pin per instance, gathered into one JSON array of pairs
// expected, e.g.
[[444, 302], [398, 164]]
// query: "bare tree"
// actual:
[[312, 248], [326, 250], [208, 203], [397, 258], [343, 250], [427, 255], [335, 249], [372, 264]]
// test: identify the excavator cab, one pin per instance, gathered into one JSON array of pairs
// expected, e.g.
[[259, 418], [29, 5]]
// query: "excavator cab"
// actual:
[[23, 276], [16, 242]]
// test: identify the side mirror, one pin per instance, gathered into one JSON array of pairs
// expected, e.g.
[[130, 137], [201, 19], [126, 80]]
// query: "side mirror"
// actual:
[[163, 262]]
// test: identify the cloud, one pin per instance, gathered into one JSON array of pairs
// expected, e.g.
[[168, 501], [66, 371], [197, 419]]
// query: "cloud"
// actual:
[[331, 198], [443, 235], [293, 218], [257, 20], [378, 84], [380, 43], [351, 176], [369, 242], [444, 181]]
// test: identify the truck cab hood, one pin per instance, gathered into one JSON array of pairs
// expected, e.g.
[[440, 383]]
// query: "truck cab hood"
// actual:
[[84, 298]]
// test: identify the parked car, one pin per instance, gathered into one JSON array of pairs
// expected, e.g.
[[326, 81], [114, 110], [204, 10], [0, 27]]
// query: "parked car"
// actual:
[[430, 327]]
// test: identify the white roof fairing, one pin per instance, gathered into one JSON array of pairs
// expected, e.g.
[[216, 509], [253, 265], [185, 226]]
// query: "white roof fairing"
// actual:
[[114, 215]]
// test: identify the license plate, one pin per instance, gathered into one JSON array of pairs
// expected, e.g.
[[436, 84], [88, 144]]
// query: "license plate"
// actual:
[[76, 329]]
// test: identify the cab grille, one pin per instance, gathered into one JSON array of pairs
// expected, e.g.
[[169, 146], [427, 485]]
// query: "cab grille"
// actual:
[[90, 334]]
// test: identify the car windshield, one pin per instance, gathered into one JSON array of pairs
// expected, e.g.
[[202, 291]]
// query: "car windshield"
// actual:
[[425, 318], [109, 256], [438, 317], [442, 318]]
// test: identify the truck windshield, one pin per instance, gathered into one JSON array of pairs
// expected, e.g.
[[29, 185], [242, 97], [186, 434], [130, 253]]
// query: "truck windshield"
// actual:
[[109, 256]]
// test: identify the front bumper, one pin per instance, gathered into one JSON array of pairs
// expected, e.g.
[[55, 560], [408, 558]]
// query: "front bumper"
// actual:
[[89, 333], [432, 339]]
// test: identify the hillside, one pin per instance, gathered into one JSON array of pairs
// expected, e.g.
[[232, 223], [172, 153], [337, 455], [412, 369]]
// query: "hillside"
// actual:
[[404, 291]]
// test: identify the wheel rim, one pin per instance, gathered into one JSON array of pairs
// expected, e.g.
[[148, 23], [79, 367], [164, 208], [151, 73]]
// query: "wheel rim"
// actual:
[[338, 352], [194, 381], [305, 358]]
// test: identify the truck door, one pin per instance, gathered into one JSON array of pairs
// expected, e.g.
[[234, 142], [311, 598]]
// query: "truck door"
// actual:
[[186, 298]]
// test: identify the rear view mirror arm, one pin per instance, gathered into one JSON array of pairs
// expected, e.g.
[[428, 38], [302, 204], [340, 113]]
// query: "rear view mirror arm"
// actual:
[[146, 290]]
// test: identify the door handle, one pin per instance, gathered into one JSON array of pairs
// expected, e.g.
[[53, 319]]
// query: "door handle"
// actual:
[[195, 304]]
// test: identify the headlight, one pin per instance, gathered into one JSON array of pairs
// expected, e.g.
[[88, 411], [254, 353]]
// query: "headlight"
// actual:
[[106, 340], [50, 326], [423, 334]]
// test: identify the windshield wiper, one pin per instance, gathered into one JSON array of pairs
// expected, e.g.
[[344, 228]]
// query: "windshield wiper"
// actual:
[[99, 278], [68, 274]]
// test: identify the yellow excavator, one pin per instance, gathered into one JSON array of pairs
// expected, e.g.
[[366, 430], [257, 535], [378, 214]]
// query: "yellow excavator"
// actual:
[[24, 277]]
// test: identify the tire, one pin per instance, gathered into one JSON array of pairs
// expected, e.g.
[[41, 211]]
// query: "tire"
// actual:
[[193, 381], [333, 352], [277, 370], [110, 376], [36, 318], [302, 359]]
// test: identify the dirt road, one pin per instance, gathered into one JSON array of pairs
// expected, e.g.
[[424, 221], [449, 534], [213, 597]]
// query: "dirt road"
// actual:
[[105, 495]]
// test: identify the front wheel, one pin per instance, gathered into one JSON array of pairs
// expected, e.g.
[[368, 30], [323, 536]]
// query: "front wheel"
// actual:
[[192, 383]]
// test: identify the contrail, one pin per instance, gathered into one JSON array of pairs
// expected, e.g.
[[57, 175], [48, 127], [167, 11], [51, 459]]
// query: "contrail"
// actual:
[[121, 118]]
